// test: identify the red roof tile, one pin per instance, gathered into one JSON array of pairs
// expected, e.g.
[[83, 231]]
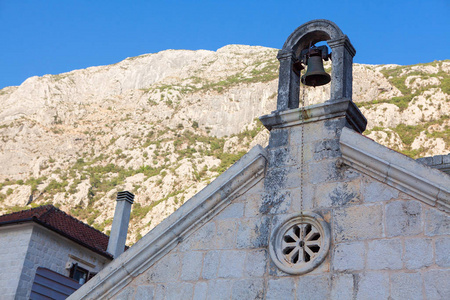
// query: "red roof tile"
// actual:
[[62, 223]]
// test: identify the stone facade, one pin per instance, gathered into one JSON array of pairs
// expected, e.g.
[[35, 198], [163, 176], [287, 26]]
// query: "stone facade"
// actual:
[[29, 246], [385, 244], [387, 215]]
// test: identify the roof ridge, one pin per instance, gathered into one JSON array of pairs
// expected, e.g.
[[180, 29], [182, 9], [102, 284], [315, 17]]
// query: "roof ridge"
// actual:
[[80, 222], [50, 209], [27, 210]]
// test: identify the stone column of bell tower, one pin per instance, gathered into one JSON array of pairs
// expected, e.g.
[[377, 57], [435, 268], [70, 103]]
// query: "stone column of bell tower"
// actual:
[[341, 77]]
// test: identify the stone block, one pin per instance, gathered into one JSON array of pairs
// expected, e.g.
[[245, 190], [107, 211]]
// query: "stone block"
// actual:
[[384, 254], [231, 264], [210, 264], [308, 199], [406, 286], [372, 285], [418, 253], [443, 252], [253, 233], [296, 135], [192, 265], [323, 171], [337, 194], [275, 271], [324, 149], [219, 289], [436, 222], [125, 294], [278, 138], [255, 263], [330, 129], [283, 157], [333, 127], [226, 234], [437, 284], [276, 202], [200, 291], [179, 290], [232, 211], [307, 151], [293, 177], [166, 270], [358, 223], [426, 160], [403, 218], [201, 239], [446, 159], [275, 179], [313, 287], [349, 173], [144, 292], [281, 288], [437, 159], [342, 286], [375, 191], [252, 205], [349, 257], [248, 289]]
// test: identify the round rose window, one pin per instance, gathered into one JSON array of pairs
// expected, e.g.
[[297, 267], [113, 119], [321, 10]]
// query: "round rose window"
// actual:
[[300, 243]]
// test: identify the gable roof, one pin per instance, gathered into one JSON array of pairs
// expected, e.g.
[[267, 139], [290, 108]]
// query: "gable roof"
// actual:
[[424, 183], [195, 212], [63, 224]]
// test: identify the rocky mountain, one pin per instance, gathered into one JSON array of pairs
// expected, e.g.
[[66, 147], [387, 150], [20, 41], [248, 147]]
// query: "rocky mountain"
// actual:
[[164, 125]]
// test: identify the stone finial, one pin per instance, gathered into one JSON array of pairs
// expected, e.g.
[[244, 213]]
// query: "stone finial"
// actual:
[[342, 60]]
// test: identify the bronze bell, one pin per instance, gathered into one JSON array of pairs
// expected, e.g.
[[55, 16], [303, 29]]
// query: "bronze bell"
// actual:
[[315, 74]]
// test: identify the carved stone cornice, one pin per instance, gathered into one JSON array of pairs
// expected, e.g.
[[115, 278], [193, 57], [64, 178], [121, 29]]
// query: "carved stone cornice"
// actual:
[[317, 112], [395, 169]]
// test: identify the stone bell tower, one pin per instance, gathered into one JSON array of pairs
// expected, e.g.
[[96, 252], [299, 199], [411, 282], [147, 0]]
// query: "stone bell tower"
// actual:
[[310, 33], [304, 150], [341, 78]]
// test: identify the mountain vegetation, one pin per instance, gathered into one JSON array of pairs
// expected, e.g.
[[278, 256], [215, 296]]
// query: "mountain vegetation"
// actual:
[[164, 125]]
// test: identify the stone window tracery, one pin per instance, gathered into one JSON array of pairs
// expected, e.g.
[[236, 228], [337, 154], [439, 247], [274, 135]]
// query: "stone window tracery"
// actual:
[[300, 243]]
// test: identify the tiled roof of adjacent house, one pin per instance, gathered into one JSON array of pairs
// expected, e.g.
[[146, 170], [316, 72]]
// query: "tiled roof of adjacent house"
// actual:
[[62, 223]]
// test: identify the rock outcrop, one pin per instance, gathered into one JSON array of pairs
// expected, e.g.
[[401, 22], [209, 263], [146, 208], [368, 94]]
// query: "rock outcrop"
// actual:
[[163, 125]]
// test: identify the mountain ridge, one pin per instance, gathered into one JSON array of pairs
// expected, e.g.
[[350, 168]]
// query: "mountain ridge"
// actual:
[[163, 125]]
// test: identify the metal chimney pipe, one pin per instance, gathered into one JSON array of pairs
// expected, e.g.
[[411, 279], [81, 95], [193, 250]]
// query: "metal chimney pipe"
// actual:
[[119, 229]]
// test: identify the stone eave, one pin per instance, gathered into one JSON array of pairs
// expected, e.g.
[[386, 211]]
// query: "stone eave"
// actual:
[[317, 112], [201, 208], [395, 169]]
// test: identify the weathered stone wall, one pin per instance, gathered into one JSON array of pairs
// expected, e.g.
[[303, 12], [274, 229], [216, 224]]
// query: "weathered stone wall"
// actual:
[[384, 243], [14, 242], [25, 248]]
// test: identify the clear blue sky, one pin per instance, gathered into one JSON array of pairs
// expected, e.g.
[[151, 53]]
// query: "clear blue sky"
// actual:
[[55, 36]]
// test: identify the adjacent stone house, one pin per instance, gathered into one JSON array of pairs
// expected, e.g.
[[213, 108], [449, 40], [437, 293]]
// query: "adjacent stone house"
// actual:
[[321, 213], [44, 251]]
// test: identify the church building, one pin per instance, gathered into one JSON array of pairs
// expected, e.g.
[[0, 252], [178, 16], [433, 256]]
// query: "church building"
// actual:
[[322, 212]]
